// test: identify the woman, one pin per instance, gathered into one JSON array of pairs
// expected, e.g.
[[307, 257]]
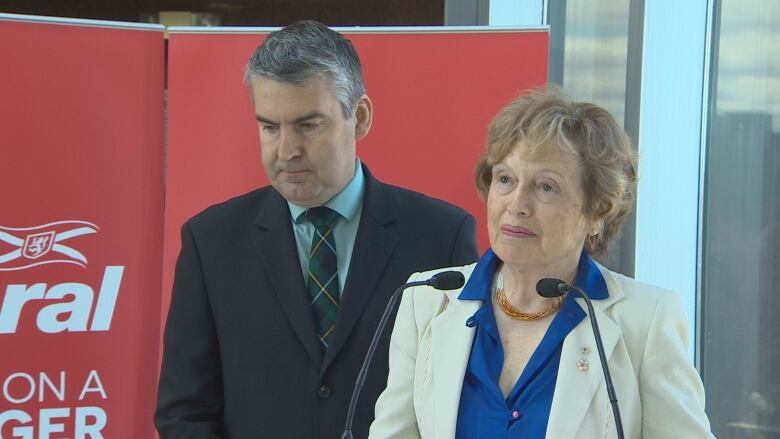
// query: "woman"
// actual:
[[496, 359]]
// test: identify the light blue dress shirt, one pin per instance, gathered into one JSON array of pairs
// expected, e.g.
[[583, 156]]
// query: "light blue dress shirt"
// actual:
[[349, 204]]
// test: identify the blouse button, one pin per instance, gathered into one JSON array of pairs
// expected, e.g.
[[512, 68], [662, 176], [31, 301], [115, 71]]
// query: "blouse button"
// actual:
[[515, 414]]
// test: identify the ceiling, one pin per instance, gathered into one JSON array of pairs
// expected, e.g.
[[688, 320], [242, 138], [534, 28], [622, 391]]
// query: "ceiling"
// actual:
[[245, 12]]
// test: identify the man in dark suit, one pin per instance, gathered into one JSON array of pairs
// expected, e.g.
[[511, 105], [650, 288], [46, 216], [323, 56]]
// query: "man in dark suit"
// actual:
[[278, 292]]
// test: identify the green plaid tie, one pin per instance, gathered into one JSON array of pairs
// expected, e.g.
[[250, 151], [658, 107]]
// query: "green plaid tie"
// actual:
[[323, 280]]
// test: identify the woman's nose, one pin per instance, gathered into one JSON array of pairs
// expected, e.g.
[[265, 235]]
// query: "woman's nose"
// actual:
[[521, 203]]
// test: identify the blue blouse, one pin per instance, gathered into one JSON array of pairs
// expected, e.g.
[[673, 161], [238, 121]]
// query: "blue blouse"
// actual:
[[483, 411]]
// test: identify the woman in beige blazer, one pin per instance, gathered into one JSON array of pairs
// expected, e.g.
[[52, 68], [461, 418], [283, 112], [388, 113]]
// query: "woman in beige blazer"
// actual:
[[495, 359]]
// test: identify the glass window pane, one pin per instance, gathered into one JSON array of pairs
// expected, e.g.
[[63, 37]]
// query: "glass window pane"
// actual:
[[741, 228], [589, 58], [595, 54]]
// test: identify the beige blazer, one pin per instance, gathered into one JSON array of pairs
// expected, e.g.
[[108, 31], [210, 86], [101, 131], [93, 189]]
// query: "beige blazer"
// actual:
[[645, 337]]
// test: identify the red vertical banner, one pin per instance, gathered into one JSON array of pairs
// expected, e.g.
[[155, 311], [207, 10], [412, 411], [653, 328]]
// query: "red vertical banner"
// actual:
[[81, 205], [434, 93]]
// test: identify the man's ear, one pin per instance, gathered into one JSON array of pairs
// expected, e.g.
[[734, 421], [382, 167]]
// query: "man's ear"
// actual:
[[364, 112]]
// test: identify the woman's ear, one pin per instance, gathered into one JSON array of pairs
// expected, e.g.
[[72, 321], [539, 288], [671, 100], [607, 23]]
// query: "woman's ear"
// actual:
[[597, 228]]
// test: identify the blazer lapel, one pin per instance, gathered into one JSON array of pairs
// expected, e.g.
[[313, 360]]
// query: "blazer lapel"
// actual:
[[374, 245], [451, 342], [575, 388], [275, 246]]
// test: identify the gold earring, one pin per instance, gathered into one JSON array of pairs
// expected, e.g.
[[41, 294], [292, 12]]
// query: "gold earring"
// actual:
[[593, 240]]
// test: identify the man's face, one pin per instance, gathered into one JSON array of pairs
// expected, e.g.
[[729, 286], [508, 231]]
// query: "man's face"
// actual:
[[308, 147]]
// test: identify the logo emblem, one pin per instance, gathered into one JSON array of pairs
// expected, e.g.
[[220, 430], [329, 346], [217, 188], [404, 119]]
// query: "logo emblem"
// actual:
[[38, 244], [33, 246]]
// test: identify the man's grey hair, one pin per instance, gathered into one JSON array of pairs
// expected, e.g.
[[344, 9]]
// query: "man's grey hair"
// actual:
[[305, 49]]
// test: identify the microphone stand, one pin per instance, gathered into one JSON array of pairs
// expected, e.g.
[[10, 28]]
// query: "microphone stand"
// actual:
[[445, 280], [602, 357], [361, 379]]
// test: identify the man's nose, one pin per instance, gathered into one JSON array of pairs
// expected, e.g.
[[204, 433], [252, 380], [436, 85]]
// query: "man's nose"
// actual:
[[289, 144]]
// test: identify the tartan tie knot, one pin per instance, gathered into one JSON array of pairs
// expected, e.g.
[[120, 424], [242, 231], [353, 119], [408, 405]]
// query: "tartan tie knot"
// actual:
[[322, 218]]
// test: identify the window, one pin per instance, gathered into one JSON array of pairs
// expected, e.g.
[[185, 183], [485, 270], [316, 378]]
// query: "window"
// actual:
[[740, 278]]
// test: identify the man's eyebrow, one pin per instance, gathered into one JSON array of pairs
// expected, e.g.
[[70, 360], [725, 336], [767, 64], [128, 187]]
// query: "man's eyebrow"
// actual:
[[262, 119], [305, 117], [308, 116]]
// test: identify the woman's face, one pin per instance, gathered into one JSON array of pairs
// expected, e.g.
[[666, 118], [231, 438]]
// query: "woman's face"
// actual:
[[534, 210]]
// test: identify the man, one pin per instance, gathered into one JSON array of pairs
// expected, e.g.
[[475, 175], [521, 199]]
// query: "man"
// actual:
[[278, 292]]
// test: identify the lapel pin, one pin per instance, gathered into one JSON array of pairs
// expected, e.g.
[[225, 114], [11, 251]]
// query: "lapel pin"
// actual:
[[582, 365]]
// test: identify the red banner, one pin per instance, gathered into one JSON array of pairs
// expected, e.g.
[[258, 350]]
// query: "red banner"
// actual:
[[434, 94], [81, 177]]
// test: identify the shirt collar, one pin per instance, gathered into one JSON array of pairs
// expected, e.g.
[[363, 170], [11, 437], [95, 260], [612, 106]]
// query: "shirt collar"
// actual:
[[346, 203], [478, 287], [481, 280], [590, 279]]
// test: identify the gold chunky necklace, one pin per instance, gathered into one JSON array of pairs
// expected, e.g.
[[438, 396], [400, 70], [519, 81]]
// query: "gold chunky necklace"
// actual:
[[514, 313]]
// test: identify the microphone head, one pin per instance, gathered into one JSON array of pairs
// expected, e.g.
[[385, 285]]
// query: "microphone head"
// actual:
[[550, 287], [447, 280]]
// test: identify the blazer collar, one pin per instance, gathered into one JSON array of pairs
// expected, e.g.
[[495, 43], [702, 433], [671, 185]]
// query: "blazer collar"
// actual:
[[452, 339], [575, 388], [374, 244], [274, 244]]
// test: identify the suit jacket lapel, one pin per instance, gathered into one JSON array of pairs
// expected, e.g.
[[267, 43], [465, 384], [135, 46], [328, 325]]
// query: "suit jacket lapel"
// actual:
[[275, 246], [374, 245], [451, 343], [575, 388]]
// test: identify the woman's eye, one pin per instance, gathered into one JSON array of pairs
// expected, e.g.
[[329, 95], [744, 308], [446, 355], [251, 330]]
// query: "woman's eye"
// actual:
[[503, 179], [547, 187]]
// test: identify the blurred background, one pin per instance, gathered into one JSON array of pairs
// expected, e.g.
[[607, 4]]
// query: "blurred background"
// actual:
[[697, 86]]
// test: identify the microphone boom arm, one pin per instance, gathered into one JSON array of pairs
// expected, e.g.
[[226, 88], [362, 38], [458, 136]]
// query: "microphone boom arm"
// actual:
[[602, 357], [445, 280], [370, 354]]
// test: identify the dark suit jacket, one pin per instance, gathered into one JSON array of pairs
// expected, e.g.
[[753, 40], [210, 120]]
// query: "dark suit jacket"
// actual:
[[241, 357]]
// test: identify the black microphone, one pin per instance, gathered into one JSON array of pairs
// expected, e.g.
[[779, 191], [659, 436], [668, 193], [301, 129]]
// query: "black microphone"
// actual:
[[446, 280], [550, 288]]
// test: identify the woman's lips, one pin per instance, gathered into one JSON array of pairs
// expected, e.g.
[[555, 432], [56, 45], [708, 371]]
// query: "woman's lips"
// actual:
[[517, 231]]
